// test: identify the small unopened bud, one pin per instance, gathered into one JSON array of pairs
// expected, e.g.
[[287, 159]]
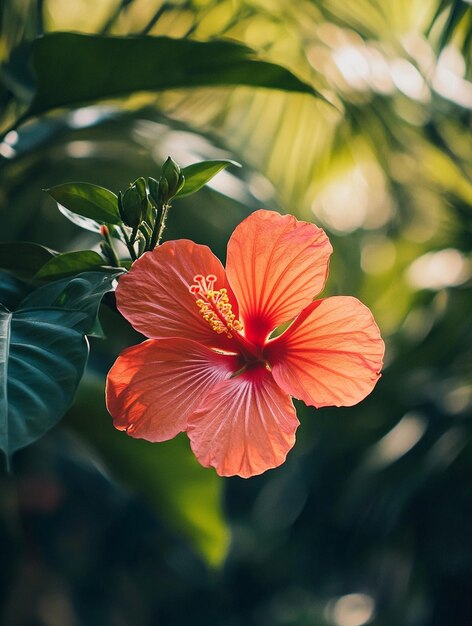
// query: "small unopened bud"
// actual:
[[163, 195], [104, 232], [133, 203], [173, 176], [140, 185]]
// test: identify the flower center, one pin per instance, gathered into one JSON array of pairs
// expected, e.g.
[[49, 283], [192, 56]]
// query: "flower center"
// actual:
[[214, 305]]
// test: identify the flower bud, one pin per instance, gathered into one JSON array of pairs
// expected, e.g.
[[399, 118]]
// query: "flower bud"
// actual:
[[104, 231], [174, 178], [133, 203], [163, 192]]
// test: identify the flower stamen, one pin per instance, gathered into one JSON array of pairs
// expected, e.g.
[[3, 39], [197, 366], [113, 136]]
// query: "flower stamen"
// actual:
[[214, 305]]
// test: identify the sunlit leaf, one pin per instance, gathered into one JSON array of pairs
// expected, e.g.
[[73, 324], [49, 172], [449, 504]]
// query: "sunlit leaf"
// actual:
[[122, 65], [457, 10], [184, 494], [82, 222], [87, 200], [199, 174], [70, 263]]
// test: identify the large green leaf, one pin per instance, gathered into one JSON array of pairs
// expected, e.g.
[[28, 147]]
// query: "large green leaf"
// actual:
[[185, 495], [72, 68], [198, 174], [12, 290], [41, 363], [90, 201], [82, 293], [82, 222], [43, 352], [24, 258], [70, 263]]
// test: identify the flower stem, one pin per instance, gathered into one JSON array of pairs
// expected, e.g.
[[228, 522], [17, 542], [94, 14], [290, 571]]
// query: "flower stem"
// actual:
[[162, 223], [159, 226]]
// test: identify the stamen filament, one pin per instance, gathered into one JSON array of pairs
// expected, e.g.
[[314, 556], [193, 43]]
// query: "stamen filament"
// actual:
[[214, 305]]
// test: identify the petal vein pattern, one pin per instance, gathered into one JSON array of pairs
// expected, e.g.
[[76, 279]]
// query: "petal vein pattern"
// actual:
[[153, 387], [331, 354], [245, 426], [276, 265], [210, 368], [155, 296]]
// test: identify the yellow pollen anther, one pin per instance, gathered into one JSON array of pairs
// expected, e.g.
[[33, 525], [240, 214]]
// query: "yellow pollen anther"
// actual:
[[214, 305]]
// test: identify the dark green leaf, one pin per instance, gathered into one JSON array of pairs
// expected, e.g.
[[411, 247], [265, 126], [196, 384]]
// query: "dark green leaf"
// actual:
[[82, 293], [71, 263], [198, 174], [122, 65], [12, 290], [41, 363], [187, 496], [43, 354], [17, 74], [24, 258], [87, 200], [96, 330]]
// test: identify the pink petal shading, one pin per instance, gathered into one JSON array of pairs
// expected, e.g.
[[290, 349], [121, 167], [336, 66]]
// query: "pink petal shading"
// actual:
[[154, 295], [153, 387], [244, 426], [330, 355], [276, 265]]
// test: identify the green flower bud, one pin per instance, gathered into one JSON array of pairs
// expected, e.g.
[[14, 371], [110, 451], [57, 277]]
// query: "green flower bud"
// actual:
[[163, 195], [133, 203], [140, 184], [172, 174]]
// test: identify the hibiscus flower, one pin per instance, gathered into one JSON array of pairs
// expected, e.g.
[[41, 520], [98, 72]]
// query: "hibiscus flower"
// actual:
[[210, 367]]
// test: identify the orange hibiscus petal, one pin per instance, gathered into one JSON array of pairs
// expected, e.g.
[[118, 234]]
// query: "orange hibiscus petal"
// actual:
[[276, 265], [154, 295], [244, 426], [330, 355], [153, 387]]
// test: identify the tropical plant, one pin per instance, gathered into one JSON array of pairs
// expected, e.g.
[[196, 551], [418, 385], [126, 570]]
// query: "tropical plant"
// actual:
[[353, 114]]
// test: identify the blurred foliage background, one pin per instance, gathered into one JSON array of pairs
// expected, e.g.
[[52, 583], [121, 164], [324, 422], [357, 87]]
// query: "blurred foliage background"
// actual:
[[368, 521]]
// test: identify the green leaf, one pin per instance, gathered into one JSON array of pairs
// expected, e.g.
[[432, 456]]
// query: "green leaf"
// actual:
[[82, 222], [12, 290], [122, 65], [41, 363], [24, 258], [17, 74], [83, 294], [43, 353], [185, 495], [457, 9], [87, 200], [71, 263], [198, 174]]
